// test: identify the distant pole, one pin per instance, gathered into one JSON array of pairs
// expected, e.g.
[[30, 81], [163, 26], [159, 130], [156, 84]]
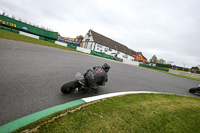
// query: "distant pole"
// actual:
[[183, 66]]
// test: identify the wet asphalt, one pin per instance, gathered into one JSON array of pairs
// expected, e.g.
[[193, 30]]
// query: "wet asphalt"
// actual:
[[31, 77]]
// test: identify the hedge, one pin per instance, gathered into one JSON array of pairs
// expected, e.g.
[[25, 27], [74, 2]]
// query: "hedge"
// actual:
[[155, 67], [164, 65]]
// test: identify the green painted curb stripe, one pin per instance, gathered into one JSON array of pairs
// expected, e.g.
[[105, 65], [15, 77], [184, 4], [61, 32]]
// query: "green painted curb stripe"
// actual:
[[16, 124]]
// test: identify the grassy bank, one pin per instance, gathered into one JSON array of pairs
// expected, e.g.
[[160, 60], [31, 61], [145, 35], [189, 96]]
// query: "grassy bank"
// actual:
[[17, 37], [128, 113], [175, 74]]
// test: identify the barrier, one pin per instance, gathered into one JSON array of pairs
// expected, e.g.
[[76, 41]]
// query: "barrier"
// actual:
[[101, 54], [61, 43], [26, 27], [46, 39], [29, 35], [83, 50], [118, 59], [131, 62], [154, 67], [71, 46], [9, 29]]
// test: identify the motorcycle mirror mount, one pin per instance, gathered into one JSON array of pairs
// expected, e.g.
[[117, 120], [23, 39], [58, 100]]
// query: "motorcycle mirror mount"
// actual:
[[79, 76]]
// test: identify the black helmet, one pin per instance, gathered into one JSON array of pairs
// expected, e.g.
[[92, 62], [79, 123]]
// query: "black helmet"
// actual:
[[106, 67]]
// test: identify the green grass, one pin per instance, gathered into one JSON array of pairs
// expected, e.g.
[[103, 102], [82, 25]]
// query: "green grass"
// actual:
[[14, 36], [174, 74], [129, 113]]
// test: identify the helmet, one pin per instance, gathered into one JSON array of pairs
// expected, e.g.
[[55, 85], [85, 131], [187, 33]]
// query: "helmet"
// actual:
[[106, 67]]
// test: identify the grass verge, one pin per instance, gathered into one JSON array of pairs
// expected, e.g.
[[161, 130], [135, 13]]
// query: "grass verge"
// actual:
[[17, 37], [174, 74], [128, 113]]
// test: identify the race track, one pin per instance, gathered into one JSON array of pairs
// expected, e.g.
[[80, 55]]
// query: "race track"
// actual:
[[31, 76]]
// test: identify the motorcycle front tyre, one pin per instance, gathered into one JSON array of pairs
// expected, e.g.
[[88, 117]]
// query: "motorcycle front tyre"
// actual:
[[70, 86], [193, 90]]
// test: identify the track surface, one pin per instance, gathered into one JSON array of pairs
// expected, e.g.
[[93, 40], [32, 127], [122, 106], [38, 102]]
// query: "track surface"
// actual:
[[31, 77]]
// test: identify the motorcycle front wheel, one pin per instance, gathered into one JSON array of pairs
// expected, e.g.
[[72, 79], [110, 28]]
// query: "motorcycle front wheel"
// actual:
[[195, 91], [70, 86]]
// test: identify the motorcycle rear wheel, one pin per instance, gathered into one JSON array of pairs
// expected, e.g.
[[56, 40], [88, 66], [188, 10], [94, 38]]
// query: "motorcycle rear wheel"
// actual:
[[70, 86]]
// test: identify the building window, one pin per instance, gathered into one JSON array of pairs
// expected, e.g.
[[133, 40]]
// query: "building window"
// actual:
[[125, 56], [99, 46], [86, 44], [106, 49]]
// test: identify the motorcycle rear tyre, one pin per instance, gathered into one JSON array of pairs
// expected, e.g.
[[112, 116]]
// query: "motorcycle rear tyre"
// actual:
[[70, 86]]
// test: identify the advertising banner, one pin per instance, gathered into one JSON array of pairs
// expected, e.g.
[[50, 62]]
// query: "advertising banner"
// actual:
[[69, 41]]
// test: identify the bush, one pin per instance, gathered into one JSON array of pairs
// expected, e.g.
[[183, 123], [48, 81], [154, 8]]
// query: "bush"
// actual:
[[164, 65], [198, 71], [186, 69], [179, 68]]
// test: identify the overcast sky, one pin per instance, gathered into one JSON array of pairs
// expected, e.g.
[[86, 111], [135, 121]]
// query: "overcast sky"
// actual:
[[169, 29]]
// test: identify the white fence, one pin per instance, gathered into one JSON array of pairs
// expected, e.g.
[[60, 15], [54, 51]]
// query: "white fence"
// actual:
[[29, 35], [83, 50], [61, 43], [131, 62]]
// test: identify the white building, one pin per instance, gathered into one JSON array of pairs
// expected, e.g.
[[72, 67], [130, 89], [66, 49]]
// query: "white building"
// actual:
[[99, 43]]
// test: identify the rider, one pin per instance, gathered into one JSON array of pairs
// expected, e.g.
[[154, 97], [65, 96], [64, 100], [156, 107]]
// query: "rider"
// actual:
[[97, 76]]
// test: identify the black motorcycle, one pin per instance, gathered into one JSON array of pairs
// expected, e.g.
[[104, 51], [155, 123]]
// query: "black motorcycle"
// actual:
[[195, 90], [78, 85]]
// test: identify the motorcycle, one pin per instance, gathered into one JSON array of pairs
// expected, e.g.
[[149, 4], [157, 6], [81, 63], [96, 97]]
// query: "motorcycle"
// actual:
[[78, 85], [195, 90]]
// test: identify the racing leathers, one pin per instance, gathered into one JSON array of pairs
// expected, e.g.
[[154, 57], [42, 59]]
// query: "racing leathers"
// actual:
[[96, 77]]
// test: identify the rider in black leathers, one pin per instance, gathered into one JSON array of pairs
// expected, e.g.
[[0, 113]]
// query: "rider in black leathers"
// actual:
[[97, 76]]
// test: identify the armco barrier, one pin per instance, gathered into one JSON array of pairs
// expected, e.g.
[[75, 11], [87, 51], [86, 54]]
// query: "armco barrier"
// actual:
[[15, 31], [154, 67], [71, 46], [46, 39], [119, 59], [101, 54], [9, 29]]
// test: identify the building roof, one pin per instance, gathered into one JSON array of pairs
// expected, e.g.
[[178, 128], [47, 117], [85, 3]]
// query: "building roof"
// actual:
[[103, 40], [136, 53]]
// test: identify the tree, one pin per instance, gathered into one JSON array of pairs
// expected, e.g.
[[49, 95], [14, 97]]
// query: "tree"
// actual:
[[79, 38], [3, 13], [153, 59], [161, 61], [13, 17]]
